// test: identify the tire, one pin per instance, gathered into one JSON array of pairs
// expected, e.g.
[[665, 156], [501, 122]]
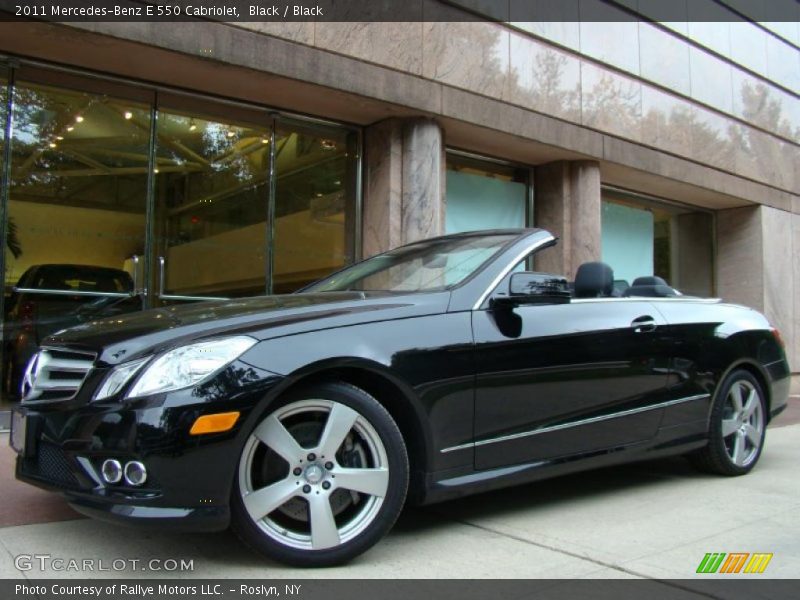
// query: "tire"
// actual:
[[287, 503], [737, 427]]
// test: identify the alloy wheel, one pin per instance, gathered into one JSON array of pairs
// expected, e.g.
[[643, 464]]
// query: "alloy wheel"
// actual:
[[313, 474], [742, 423]]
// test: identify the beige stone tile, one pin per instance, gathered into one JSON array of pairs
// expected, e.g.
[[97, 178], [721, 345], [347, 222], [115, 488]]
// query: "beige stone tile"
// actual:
[[395, 45], [543, 78], [779, 281], [667, 121], [611, 102], [468, 55], [302, 32]]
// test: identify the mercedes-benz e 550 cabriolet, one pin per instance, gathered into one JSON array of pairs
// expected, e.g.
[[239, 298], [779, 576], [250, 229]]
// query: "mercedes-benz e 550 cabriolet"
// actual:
[[436, 370]]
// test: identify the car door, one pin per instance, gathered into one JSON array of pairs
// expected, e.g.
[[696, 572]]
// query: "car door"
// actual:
[[566, 379]]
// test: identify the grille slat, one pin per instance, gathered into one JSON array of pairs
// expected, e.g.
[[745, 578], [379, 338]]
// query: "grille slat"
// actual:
[[70, 365], [55, 375]]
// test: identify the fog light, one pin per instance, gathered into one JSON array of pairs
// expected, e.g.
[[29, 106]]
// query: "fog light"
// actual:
[[135, 473], [111, 470]]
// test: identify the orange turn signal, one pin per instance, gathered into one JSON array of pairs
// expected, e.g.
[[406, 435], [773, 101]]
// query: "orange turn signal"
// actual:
[[214, 423]]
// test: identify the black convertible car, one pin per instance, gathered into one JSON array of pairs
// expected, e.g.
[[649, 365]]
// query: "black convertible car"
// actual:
[[436, 370]]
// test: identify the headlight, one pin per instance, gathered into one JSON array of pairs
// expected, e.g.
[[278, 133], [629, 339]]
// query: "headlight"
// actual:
[[188, 365], [118, 378]]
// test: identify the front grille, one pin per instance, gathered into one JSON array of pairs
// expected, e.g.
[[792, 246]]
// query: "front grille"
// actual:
[[55, 374], [51, 465]]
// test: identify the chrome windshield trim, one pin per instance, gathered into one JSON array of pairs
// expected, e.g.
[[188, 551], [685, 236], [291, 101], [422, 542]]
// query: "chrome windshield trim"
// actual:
[[624, 413], [507, 269]]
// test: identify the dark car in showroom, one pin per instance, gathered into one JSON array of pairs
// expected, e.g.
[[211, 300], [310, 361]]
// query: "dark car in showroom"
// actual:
[[50, 297], [439, 369]]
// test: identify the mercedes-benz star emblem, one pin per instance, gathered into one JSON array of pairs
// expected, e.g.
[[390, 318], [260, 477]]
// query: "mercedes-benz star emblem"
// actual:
[[32, 372]]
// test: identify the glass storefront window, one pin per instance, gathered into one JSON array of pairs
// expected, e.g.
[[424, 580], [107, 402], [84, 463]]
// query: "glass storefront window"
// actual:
[[76, 202], [9, 238], [212, 193], [8, 241], [315, 191], [116, 202], [485, 195], [642, 237], [216, 234]]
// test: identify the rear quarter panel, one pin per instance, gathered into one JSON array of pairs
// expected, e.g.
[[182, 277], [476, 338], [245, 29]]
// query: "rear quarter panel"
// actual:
[[712, 339]]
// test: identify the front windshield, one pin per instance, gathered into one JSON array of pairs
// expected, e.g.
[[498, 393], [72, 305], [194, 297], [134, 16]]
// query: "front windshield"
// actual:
[[425, 266]]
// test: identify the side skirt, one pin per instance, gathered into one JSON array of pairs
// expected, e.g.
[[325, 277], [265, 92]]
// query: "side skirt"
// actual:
[[669, 441]]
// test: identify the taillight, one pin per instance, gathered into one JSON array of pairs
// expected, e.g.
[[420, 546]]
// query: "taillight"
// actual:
[[27, 315], [778, 338]]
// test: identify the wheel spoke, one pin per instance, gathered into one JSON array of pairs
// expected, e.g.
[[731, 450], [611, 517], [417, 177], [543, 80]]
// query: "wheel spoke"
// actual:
[[272, 433], [729, 427], [750, 405], [324, 533], [736, 397], [340, 422], [263, 501], [753, 435], [367, 481], [739, 448]]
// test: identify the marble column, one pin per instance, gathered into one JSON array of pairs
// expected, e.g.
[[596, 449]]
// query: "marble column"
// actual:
[[568, 205], [404, 194], [692, 253], [756, 246], [585, 212]]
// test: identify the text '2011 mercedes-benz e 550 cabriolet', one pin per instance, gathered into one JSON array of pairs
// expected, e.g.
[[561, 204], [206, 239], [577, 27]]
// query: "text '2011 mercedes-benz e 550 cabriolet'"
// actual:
[[439, 369]]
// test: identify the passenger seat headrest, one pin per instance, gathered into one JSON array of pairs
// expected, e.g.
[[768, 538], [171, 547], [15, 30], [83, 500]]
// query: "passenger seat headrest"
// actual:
[[594, 280], [651, 280]]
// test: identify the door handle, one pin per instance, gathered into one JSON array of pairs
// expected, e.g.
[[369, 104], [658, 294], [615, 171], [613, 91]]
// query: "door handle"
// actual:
[[644, 324]]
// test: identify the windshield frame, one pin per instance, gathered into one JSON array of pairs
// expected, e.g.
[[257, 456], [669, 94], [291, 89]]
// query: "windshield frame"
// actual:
[[513, 235]]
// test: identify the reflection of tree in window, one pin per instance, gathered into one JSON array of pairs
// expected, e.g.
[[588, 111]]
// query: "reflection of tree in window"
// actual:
[[78, 150]]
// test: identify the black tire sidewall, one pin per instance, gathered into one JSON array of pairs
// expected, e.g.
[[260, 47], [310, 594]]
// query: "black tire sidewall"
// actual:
[[716, 441], [397, 457]]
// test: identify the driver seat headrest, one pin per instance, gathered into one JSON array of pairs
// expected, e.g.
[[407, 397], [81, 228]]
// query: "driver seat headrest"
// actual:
[[594, 280]]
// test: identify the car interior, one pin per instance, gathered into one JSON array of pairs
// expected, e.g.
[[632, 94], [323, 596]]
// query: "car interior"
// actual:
[[596, 280]]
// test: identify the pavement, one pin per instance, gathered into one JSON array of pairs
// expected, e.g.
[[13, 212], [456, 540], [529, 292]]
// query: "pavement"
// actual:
[[647, 520]]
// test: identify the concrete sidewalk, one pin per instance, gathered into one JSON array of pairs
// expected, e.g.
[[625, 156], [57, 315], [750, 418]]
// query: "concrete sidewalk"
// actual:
[[651, 520]]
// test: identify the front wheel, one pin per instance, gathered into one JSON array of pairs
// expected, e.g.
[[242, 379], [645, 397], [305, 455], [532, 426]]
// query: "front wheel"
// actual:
[[737, 428], [321, 478]]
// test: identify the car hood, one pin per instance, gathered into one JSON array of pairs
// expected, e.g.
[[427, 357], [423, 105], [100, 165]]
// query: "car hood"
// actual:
[[126, 337]]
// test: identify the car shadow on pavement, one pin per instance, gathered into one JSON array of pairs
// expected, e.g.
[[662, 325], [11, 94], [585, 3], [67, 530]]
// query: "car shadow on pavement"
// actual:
[[544, 494]]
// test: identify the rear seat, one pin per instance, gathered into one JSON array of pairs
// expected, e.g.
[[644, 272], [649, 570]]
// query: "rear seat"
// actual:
[[650, 287]]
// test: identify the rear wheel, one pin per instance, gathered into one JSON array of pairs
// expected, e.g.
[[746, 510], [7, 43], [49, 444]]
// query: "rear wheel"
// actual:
[[321, 478], [737, 429]]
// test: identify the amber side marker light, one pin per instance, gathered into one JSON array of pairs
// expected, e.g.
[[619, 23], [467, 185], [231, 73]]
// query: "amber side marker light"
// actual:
[[216, 423], [778, 337]]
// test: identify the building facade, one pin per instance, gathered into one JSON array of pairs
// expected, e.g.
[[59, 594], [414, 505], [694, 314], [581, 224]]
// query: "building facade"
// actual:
[[216, 160]]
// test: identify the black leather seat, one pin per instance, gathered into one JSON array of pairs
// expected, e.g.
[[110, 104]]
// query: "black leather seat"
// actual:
[[594, 280], [650, 287]]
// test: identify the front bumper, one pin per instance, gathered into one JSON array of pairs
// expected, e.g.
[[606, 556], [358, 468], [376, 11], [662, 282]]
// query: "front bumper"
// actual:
[[189, 478]]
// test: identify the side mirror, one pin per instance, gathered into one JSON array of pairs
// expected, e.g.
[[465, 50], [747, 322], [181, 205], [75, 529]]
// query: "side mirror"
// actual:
[[535, 288]]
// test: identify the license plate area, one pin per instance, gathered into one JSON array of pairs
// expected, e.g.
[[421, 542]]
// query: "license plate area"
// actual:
[[20, 440]]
